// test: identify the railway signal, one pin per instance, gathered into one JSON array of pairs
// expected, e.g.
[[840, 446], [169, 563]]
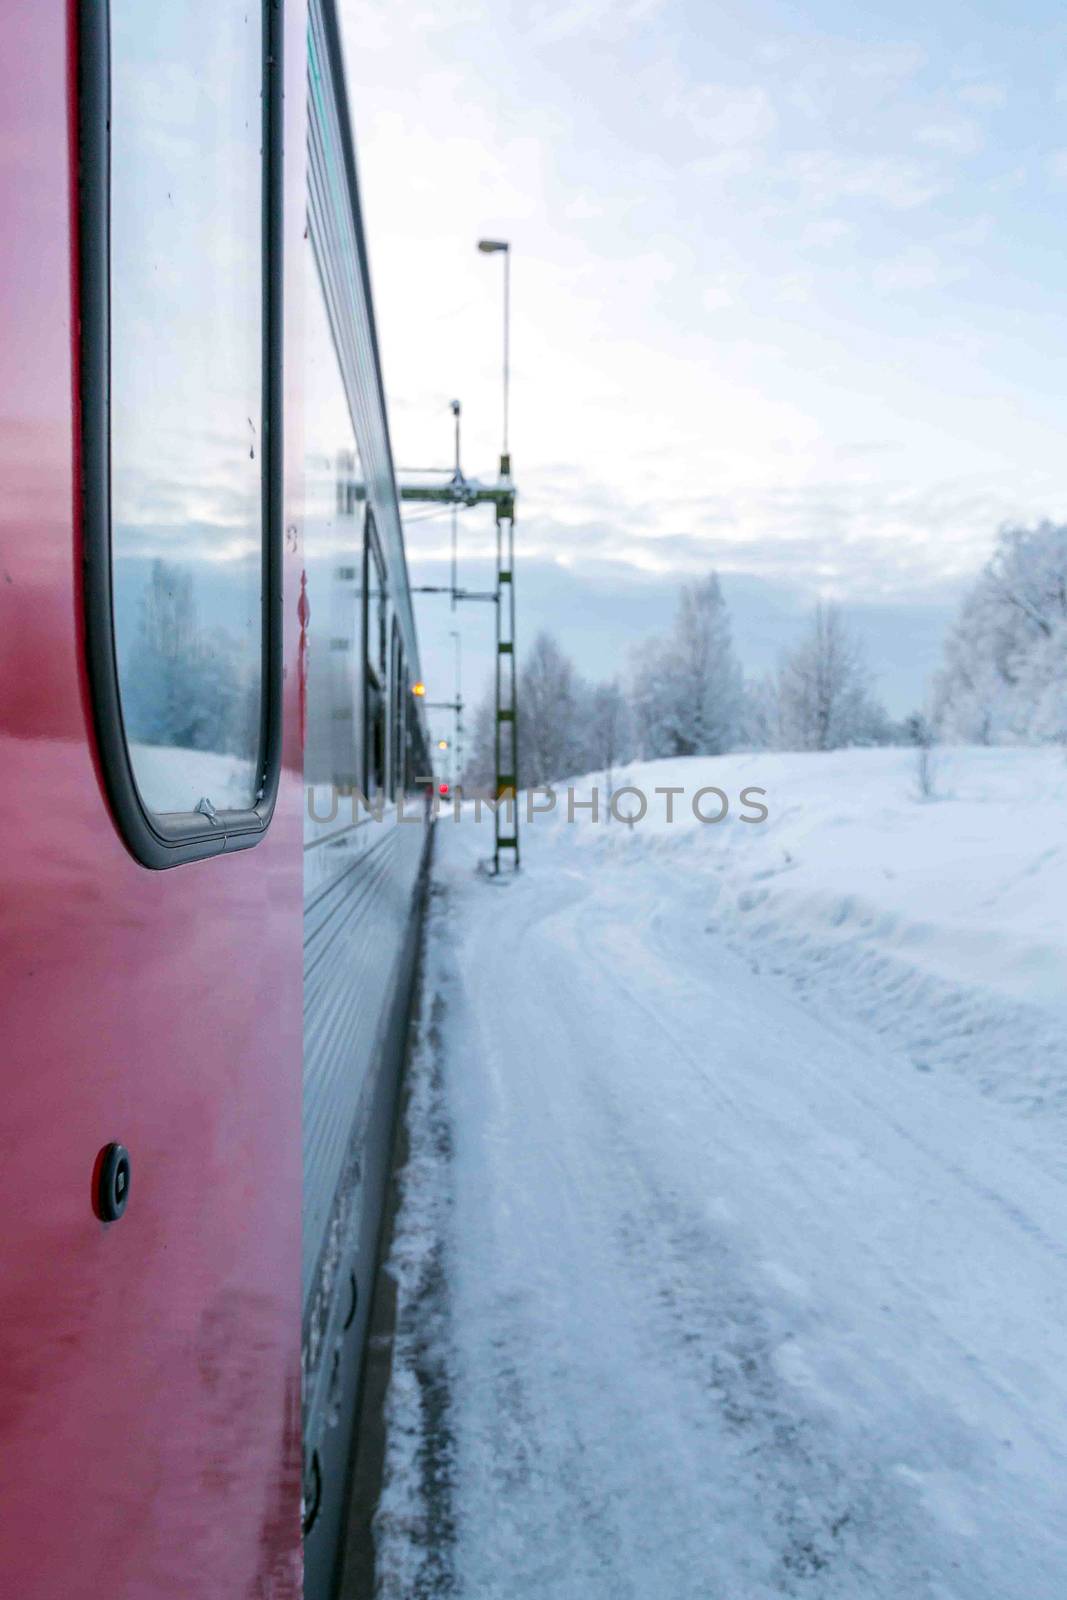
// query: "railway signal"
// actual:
[[458, 492]]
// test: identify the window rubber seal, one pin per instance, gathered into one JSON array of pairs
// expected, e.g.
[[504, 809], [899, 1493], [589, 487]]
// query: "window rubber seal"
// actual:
[[160, 840]]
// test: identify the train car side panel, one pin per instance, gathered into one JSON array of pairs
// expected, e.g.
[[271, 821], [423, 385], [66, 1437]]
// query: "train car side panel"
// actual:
[[365, 854], [149, 1367]]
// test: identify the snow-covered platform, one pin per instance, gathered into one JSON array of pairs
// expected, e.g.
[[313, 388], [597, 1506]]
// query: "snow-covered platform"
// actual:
[[733, 1245]]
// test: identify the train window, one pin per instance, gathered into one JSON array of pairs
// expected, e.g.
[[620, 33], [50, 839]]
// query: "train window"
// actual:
[[399, 671], [375, 676], [333, 537], [180, 398]]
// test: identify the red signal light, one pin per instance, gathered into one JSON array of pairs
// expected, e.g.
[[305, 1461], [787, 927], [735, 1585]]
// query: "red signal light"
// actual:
[[442, 788]]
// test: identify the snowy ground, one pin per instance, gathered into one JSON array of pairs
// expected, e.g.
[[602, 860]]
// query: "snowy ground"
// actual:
[[732, 1253]]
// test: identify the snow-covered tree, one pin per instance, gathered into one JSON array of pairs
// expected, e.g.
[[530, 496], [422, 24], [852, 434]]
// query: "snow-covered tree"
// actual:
[[551, 696], [479, 772], [820, 697], [183, 685], [1005, 674], [607, 728], [760, 726], [687, 687], [555, 719], [1042, 689]]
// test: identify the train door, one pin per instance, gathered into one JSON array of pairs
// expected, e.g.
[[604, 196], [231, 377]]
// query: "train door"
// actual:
[[150, 878]]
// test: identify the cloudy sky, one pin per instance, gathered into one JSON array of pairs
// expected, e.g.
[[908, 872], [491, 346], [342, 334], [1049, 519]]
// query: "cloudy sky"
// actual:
[[787, 300]]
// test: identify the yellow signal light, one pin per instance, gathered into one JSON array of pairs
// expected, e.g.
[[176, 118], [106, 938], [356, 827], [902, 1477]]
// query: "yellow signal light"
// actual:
[[418, 688]]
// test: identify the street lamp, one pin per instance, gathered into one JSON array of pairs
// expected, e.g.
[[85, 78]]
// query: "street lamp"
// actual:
[[457, 756], [492, 247], [457, 478]]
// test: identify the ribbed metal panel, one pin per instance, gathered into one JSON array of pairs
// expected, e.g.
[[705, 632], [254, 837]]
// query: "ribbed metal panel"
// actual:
[[354, 931], [360, 879], [337, 236], [363, 877]]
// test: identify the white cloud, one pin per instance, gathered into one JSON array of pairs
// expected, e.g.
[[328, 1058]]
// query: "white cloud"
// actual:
[[653, 340], [984, 96], [795, 289], [823, 232], [916, 268], [956, 138], [876, 537], [583, 208], [730, 118], [828, 178], [552, 22], [888, 62], [379, 25], [718, 295]]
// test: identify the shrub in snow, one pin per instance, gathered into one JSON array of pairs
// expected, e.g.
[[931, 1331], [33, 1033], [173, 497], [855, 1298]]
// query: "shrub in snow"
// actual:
[[1004, 680], [921, 734]]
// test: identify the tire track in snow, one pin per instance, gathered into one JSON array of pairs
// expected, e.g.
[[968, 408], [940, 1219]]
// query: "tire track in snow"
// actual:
[[821, 1501], [624, 1411]]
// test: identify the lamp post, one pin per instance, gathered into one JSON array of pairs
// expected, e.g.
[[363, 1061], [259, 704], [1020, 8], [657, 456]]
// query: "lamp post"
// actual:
[[457, 477], [492, 247], [457, 753], [506, 742]]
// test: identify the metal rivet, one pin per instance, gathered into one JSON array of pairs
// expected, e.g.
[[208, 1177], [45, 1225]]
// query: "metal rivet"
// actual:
[[113, 1184]]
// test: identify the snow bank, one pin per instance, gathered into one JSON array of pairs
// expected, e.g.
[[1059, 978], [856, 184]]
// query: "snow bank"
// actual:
[[173, 778], [941, 921]]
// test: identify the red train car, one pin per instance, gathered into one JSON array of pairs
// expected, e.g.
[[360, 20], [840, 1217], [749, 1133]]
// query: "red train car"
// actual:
[[203, 610]]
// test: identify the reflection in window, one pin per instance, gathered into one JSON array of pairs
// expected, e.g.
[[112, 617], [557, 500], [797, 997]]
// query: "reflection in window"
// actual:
[[402, 717], [333, 536], [374, 626], [187, 396]]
